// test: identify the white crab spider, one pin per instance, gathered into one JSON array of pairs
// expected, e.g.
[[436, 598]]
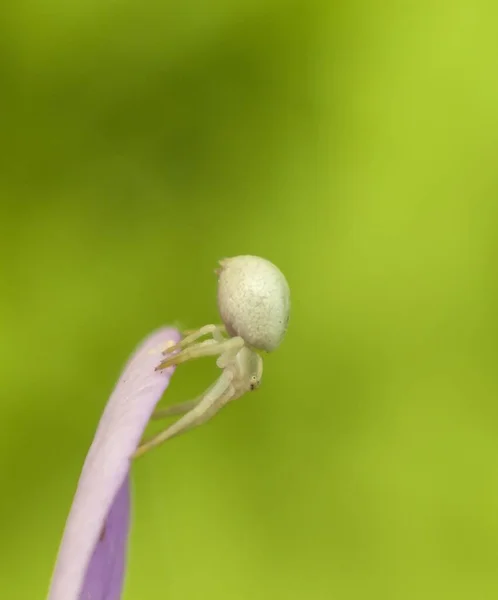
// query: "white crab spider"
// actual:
[[254, 305]]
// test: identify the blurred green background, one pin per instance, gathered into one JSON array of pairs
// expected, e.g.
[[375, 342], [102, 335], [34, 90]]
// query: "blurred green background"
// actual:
[[352, 143]]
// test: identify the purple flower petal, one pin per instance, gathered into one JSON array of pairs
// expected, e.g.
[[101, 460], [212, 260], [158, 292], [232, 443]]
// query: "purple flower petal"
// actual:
[[105, 573], [91, 560]]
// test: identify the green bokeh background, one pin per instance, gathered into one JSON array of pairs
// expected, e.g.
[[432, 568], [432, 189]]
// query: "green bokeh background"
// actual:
[[355, 145]]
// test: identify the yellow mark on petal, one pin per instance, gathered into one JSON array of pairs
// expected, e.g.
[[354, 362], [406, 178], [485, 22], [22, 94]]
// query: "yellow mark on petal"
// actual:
[[161, 349]]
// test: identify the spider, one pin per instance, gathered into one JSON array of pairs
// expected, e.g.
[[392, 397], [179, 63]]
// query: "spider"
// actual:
[[254, 305]]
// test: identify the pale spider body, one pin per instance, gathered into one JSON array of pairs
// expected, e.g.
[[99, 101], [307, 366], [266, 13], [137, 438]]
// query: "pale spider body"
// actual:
[[254, 301], [254, 304]]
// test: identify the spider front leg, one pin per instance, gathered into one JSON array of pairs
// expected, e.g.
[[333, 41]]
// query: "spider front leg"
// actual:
[[175, 409], [184, 407], [192, 335], [216, 331], [210, 403], [206, 348]]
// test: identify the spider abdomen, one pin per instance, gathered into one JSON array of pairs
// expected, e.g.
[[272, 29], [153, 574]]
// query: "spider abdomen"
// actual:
[[254, 301]]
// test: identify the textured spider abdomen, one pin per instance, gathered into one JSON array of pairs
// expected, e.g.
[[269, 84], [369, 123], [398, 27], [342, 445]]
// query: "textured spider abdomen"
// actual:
[[254, 301]]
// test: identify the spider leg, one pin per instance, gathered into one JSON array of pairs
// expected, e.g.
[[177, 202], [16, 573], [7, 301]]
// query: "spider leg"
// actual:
[[193, 335], [228, 356], [217, 332], [207, 348], [211, 402], [175, 409]]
